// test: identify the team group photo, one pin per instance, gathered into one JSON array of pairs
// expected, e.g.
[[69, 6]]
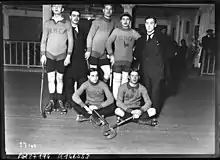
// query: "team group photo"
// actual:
[[110, 79]]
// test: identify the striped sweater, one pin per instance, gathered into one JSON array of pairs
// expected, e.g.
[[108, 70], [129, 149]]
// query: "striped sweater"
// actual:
[[98, 35], [54, 39]]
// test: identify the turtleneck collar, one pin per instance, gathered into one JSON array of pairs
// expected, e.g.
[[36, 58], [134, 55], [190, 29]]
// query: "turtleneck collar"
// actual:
[[94, 84], [130, 87], [106, 19], [124, 29]]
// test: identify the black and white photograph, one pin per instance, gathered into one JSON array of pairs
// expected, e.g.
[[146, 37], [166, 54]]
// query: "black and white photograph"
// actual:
[[109, 79]]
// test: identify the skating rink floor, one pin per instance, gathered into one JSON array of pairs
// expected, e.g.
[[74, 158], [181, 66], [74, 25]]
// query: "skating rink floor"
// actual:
[[186, 125]]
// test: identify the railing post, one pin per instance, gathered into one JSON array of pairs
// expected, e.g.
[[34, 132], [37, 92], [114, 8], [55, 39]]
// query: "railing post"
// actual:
[[34, 53], [213, 68], [22, 53], [16, 53], [202, 66], [28, 54], [10, 52], [208, 63], [4, 52]]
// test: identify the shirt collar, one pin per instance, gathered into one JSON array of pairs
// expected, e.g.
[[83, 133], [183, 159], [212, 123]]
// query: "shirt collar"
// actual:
[[75, 27], [130, 87], [62, 20]]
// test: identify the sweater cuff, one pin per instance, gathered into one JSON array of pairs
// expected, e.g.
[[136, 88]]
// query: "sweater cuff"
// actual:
[[89, 49], [128, 110], [69, 53], [82, 104], [142, 110], [43, 53], [110, 54]]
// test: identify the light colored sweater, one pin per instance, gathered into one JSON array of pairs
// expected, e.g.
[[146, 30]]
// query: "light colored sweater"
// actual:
[[98, 35], [54, 39], [130, 97], [95, 94], [124, 40]]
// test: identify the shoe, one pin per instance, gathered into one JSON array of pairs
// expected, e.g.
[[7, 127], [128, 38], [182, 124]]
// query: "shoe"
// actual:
[[61, 106], [69, 104], [81, 118], [95, 120], [118, 120], [49, 107], [150, 122]]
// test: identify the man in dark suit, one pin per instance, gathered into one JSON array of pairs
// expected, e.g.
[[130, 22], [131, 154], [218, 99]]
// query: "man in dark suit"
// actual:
[[77, 70], [153, 49]]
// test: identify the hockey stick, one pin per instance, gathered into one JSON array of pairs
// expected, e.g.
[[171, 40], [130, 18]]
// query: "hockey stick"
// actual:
[[41, 93], [106, 132]]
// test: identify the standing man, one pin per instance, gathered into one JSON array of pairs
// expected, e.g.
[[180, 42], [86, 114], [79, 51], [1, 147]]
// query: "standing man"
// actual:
[[77, 70], [124, 39], [96, 39], [55, 54], [153, 49]]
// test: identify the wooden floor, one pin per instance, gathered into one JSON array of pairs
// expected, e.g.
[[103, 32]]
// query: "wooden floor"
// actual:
[[186, 125]]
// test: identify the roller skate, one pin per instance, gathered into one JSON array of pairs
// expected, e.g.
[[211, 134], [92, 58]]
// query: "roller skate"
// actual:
[[49, 107], [150, 122], [81, 118], [62, 109]]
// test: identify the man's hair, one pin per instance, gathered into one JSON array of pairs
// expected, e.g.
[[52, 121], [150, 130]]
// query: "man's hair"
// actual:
[[133, 70], [58, 4], [125, 14], [74, 10], [92, 70], [151, 17], [108, 5]]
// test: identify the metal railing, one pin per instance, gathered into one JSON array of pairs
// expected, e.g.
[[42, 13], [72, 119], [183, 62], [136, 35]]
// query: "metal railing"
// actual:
[[21, 54], [208, 65]]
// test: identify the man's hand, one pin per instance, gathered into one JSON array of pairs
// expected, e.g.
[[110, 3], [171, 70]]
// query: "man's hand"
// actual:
[[112, 59], [67, 60], [93, 107], [136, 113], [88, 109], [43, 60], [87, 55]]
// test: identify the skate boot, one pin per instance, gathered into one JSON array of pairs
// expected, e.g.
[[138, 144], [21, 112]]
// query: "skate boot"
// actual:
[[81, 118], [49, 107], [62, 109]]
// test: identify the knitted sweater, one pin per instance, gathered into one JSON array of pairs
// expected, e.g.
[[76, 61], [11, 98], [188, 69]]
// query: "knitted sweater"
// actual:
[[130, 97], [95, 94], [123, 40], [98, 35], [54, 38]]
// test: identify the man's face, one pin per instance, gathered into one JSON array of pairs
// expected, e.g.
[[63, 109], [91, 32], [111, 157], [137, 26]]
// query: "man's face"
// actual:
[[107, 11], [134, 77], [93, 77], [57, 9], [150, 24], [125, 21], [74, 17]]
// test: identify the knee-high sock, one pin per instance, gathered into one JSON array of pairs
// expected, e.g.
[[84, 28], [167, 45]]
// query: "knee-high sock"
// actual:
[[107, 70], [59, 78], [116, 83], [51, 82], [124, 77]]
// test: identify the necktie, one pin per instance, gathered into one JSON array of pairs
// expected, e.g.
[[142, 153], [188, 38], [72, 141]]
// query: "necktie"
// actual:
[[75, 32], [149, 37]]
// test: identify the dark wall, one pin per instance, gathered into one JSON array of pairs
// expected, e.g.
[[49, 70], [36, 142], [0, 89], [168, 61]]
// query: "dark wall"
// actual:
[[25, 28]]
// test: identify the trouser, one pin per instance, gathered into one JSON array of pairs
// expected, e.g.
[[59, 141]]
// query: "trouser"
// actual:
[[106, 111], [69, 87], [154, 87]]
